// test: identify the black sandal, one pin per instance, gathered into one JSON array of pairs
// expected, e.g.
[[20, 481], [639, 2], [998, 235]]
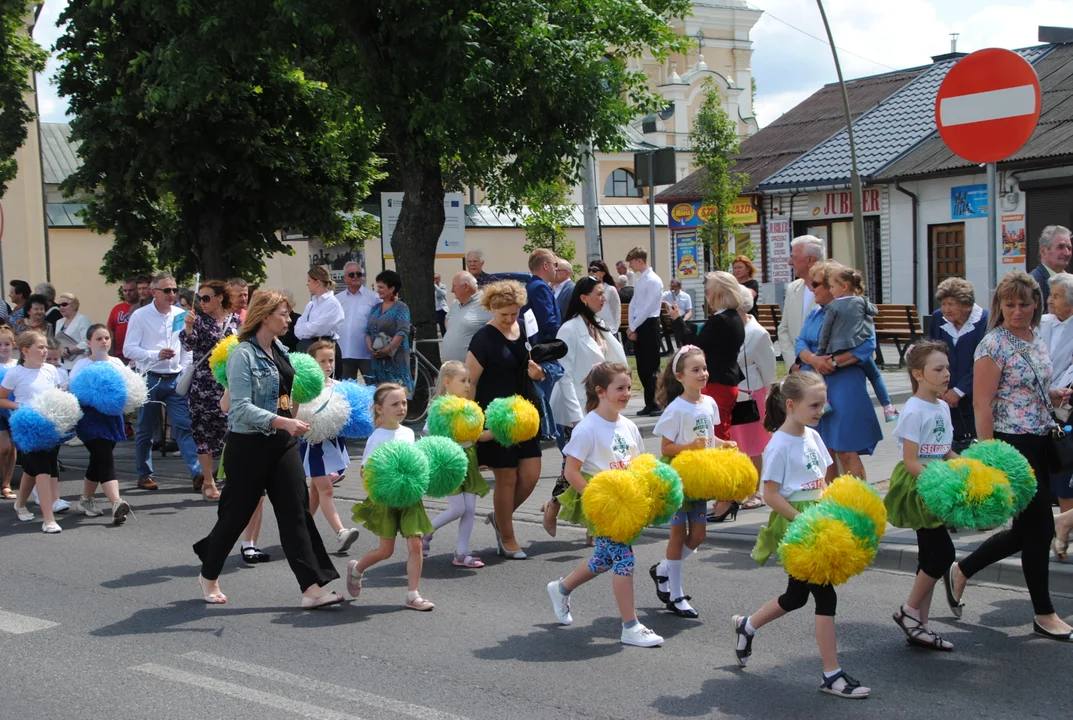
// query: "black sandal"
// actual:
[[956, 606], [852, 689], [743, 654], [253, 555], [917, 634], [673, 607], [664, 597]]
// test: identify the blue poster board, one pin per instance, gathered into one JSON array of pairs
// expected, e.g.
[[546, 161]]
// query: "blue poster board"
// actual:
[[687, 254], [968, 201]]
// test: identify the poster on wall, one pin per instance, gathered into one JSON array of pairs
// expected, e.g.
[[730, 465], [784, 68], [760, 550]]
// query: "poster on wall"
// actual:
[[686, 255], [694, 214], [1013, 240], [452, 242], [334, 258], [968, 201], [778, 252]]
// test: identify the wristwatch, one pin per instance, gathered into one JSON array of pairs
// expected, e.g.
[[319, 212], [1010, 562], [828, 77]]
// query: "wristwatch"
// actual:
[[834, 363]]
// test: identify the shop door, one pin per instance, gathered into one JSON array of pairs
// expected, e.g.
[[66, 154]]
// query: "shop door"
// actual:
[[946, 249], [1046, 206]]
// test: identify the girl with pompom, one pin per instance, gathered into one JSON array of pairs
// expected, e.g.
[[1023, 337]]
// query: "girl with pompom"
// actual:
[[389, 410], [462, 506], [326, 461], [604, 440], [7, 448], [25, 381], [925, 433], [795, 465], [100, 433], [688, 422]]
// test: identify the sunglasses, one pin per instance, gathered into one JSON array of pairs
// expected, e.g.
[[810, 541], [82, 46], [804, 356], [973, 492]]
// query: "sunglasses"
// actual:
[[594, 269], [64, 304], [205, 298], [816, 284], [167, 291], [355, 275]]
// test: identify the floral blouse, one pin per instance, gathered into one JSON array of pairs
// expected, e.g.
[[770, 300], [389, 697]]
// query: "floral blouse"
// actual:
[[1018, 407]]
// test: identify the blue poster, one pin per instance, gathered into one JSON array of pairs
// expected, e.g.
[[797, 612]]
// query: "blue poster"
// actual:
[[968, 201], [686, 249]]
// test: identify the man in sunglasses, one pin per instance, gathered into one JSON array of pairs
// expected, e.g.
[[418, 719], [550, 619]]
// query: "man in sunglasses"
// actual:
[[357, 300], [152, 342], [805, 251]]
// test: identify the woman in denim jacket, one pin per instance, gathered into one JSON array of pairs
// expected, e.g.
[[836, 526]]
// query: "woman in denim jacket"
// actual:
[[262, 455]]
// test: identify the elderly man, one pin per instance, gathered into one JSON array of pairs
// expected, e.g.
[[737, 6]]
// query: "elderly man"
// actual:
[[120, 316], [465, 317], [563, 285], [475, 265], [152, 342], [1055, 250], [681, 315], [357, 300], [805, 251], [240, 296], [623, 268]]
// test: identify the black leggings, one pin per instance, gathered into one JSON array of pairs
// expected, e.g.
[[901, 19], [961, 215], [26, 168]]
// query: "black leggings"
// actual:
[[255, 464], [796, 596], [935, 551], [1032, 530], [101, 468]]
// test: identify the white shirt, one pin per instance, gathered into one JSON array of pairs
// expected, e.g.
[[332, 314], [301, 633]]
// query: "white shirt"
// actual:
[[440, 291], [647, 296], [612, 312], [601, 445], [76, 330], [83, 361], [756, 357], [356, 307], [26, 383], [808, 299], [148, 332], [955, 334], [383, 435], [683, 422], [928, 425], [323, 317], [798, 464], [685, 302]]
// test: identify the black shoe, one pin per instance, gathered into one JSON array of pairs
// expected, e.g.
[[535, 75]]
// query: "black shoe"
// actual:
[[956, 605], [673, 607], [742, 654], [1040, 630], [253, 555], [732, 513], [664, 597]]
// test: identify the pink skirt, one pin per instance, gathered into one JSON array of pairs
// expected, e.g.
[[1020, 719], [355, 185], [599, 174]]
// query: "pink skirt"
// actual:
[[752, 438]]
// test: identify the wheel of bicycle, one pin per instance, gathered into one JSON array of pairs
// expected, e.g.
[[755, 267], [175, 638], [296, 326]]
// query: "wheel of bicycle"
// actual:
[[424, 383]]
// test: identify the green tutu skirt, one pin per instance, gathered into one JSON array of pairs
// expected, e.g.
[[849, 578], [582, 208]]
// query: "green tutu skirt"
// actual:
[[770, 535], [570, 508], [905, 507], [474, 483], [387, 522]]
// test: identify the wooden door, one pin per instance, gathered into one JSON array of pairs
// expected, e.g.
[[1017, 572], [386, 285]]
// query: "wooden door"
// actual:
[[946, 252]]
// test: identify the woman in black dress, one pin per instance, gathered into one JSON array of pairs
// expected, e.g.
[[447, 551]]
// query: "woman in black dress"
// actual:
[[498, 363], [745, 274]]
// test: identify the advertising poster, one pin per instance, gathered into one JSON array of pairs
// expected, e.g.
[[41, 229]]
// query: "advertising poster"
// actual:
[[1013, 239], [686, 255], [968, 201], [693, 214], [778, 239], [453, 237]]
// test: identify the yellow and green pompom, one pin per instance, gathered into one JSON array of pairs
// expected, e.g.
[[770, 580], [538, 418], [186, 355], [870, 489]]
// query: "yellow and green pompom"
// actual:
[[219, 356], [396, 474], [741, 474], [644, 463], [451, 416], [616, 503], [447, 463], [512, 420], [857, 495], [716, 474], [308, 378], [1002, 456], [664, 493], [966, 493], [827, 544]]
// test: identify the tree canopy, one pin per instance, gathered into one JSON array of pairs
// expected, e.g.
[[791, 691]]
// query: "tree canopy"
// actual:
[[20, 58]]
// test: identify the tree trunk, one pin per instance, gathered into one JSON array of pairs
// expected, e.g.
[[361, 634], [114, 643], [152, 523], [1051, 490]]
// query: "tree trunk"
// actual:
[[210, 245]]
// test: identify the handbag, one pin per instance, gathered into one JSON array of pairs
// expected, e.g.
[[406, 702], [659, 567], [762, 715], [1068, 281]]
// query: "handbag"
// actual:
[[1061, 441], [745, 411], [186, 377]]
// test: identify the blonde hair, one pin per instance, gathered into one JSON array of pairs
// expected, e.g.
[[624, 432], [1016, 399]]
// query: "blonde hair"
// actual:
[[72, 298], [601, 377], [382, 391], [850, 277], [1017, 284], [669, 387], [27, 340], [504, 293], [5, 330], [793, 388], [320, 273], [263, 303], [721, 290], [450, 369]]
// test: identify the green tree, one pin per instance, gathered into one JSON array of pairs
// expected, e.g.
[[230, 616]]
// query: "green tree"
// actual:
[[715, 143], [20, 57], [498, 94], [547, 212], [204, 129]]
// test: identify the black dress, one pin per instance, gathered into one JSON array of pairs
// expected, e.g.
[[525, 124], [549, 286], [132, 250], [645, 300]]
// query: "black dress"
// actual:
[[505, 362], [755, 287]]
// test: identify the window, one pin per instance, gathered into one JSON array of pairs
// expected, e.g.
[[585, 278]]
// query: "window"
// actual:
[[620, 184]]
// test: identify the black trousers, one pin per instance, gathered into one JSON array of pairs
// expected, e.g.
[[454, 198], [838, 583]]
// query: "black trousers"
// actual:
[[1032, 530], [348, 368], [101, 468], [646, 350], [797, 592], [256, 464], [935, 551]]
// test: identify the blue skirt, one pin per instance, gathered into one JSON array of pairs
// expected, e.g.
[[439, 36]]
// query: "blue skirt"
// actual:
[[324, 458], [852, 426]]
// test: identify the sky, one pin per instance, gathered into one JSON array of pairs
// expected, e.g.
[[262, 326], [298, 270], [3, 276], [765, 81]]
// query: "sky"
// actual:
[[873, 36]]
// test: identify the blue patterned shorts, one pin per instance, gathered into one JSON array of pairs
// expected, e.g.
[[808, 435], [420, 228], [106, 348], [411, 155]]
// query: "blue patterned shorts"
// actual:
[[695, 512], [613, 556]]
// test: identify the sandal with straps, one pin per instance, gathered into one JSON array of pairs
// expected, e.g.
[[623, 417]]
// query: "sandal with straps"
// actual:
[[916, 633], [469, 560], [418, 603], [850, 688]]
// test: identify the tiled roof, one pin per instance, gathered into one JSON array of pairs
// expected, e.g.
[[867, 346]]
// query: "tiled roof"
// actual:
[[797, 131], [58, 154], [1053, 136], [882, 135]]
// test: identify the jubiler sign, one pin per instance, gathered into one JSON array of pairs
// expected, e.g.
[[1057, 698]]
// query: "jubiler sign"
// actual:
[[840, 204]]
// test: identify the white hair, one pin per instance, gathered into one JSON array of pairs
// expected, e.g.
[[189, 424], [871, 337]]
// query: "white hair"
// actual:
[[478, 253], [1064, 281], [812, 246], [622, 280], [467, 279], [355, 263], [746, 298], [1049, 234]]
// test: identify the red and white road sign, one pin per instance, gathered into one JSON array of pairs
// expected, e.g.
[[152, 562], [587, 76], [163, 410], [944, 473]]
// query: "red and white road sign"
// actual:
[[988, 105]]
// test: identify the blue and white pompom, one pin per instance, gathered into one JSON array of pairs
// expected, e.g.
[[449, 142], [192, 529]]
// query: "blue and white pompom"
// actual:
[[109, 388], [360, 399], [46, 421], [326, 414]]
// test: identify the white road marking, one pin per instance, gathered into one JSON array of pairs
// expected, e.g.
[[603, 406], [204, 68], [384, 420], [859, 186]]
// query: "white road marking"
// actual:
[[991, 105], [277, 702], [287, 679], [19, 624]]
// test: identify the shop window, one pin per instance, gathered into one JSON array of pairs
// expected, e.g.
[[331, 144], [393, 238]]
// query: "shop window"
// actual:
[[946, 250], [620, 183]]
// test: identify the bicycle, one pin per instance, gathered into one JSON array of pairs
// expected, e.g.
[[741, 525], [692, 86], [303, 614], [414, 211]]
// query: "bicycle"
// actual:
[[424, 374]]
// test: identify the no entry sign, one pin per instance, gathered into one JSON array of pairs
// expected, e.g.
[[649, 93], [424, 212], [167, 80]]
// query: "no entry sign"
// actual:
[[988, 105]]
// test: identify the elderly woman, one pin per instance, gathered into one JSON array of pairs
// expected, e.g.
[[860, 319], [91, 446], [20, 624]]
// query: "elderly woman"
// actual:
[[323, 315], [961, 324], [499, 366], [36, 308], [1012, 373], [757, 363], [745, 274], [1056, 331], [851, 428], [387, 334], [71, 330], [201, 331]]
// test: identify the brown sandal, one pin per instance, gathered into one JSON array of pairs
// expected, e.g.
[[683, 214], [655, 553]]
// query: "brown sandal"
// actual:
[[210, 494], [8, 494]]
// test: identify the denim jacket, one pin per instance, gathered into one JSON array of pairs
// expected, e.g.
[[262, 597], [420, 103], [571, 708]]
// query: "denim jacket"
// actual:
[[254, 384]]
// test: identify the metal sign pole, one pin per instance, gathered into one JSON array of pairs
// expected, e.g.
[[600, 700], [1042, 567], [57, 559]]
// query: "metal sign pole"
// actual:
[[652, 210], [992, 225]]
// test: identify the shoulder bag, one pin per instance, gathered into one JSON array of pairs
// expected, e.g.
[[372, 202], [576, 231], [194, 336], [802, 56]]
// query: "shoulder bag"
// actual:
[[745, 411], [1061, 441]]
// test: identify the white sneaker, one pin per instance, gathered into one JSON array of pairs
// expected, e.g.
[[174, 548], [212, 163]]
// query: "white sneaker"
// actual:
[[346, 538], [640, 636], [61, 506], [50, 528], [560, 603], [74, 442], [24, 514], [120, 510], [88, 506]]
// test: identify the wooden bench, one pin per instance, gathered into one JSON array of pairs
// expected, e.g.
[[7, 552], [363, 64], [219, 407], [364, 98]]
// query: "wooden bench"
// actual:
[[770, 317], [664, 322], [898, 324]]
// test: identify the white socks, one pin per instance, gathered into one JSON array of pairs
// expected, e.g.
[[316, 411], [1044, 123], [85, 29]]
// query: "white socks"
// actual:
[[674, 579]]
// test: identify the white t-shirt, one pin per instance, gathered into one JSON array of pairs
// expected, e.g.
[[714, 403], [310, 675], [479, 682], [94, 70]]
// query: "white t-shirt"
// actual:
[[26, 384], [82, 362], [602, 445], [796, 463], [383, 435], [928, 425], [683, 422], [10, 363]]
